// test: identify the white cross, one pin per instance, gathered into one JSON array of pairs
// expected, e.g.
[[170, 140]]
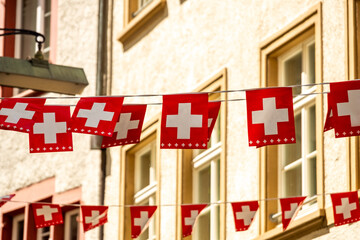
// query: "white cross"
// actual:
[[46, 211], [49, 128], [144, 217], [351, 107], [184, 121], [345, 208], [124, 125], [94, 115], [14, 114], [270, 116], [245, 215], [190, 221], [95, 217], [290, 213]]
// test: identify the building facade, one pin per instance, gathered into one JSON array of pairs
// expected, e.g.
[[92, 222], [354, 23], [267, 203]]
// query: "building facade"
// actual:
[[130, 47]]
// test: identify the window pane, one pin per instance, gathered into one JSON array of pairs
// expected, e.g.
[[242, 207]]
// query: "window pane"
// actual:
[[293, 151], [293, 69], [73, 227], [28, 22], [47, 6], [311, 129], [312, 176], [20, 228], [203, 227], [204, 185], [292, 182], [143, 176], [311, 63], [144, 235]]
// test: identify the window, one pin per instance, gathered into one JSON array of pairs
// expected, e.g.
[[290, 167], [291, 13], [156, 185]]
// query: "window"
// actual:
[[298, 161], [293, 57], [202, 171], [43, 233], [32, 15], [138, 14], [18, 227], [72, 225], [139, 171]]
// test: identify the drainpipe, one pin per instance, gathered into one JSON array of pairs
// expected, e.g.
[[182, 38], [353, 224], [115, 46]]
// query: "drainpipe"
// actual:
[[101, 86]]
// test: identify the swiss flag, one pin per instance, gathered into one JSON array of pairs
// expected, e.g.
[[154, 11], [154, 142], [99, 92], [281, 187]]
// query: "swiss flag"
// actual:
[[244, 213], [93, 216], [346, 207], [270, 116], [96, 115], [213, 113], [50, 131], [18, 114], [184, 122], [47, 214], [128, 127], [5, 199], [289, 208], [140, 218], [345, 102], [189, 214], [329, 121]]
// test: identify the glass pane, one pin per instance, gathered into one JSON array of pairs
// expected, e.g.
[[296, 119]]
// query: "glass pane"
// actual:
[[292, 182], [144, 235], [28, 22], [203, 227], [47, 32], [292, 74], [20, 228], [311, 129], [47, 6], [143, 176], [293, 151], [312, 176], [73, 227], [204, 185], [311, 63]]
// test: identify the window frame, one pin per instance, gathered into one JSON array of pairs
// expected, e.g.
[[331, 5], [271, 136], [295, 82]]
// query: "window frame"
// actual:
[[133, 25], [150, 135], [67, 223], [302, 28], [16, 219], [185, 160]]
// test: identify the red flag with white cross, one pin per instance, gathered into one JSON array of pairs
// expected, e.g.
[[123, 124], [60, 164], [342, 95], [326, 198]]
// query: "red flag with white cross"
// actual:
[[18, 114], [93, 216], [46, 214], [189, 215], [140, 218], [346, 207], [244, 213], [289, 209], [344, 102], [184, 122], [50, 132], [213, 113], [270, 116], [128, 126], [96, 115], [5, 199]]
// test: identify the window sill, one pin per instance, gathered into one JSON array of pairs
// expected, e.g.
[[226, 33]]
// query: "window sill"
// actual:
[[132, 27], [303, 225]]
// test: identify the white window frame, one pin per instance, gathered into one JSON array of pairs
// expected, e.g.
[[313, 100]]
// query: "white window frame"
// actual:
[[67, 223], [147, 193], [40, 234], [15, 221], [302, 104], [209, 158]]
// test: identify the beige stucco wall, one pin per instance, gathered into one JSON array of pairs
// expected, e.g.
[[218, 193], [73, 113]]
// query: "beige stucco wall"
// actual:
[[194, 40]]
